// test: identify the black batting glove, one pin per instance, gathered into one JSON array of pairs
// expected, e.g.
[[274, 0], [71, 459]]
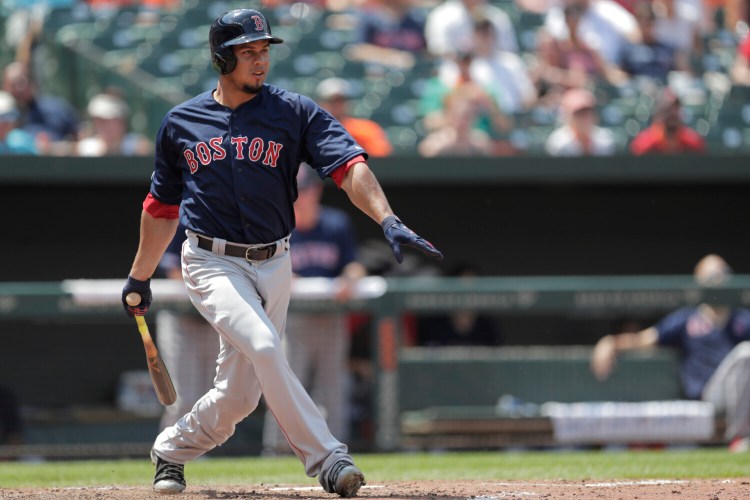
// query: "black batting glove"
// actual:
[[398, 234], [142, 288]]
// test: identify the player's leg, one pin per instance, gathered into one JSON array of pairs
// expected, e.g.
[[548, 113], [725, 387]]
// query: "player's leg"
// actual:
[[299, 347], [729, 391], [221, 289], [213, 418], [189, 347], [298, 416], [288, 401]]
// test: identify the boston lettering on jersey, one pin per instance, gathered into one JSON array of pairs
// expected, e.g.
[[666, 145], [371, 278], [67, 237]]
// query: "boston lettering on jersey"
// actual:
[[241, 147], [232, 171]]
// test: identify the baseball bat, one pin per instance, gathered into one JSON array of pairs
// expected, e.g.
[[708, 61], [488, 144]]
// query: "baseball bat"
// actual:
[[156, 368]]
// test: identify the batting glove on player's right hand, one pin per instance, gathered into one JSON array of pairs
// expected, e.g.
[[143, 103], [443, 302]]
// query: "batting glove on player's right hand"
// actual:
[[398, 234], [142, 288]]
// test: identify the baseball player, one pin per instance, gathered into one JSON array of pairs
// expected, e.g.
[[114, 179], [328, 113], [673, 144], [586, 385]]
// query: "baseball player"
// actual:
[[226, 163], [714, 343]]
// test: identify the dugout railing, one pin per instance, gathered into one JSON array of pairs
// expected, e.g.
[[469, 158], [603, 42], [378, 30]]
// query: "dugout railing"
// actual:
[[60, 306]]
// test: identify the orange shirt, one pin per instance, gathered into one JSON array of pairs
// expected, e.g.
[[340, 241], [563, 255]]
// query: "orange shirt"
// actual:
[[369, 135]]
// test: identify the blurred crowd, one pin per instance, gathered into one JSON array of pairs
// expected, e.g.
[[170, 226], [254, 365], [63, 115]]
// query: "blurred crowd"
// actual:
[[488, 77]]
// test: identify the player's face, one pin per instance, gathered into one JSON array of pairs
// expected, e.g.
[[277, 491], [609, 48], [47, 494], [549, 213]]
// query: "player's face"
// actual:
[[253, 61]]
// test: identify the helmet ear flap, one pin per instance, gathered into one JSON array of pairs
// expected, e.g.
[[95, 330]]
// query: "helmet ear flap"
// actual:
[[224, 60]]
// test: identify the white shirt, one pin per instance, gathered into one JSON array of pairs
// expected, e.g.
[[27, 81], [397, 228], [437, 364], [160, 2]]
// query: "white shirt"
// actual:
[[450, 28], [605, 27], [679, 31], [563, 142]]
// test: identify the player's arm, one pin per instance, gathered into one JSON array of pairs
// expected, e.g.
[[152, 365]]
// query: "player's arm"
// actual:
[[604, 356], [155, 236], [365, 193], [158, 226]]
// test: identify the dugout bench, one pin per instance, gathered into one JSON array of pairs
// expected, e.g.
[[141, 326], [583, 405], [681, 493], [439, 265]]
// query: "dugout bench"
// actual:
[[478, 398]]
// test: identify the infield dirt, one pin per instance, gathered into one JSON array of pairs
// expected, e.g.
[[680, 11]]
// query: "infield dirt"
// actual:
[[719, 489]]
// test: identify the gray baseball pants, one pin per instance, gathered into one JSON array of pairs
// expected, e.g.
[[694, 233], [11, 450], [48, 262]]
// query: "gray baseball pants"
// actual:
[[246, 302], [729, 390]]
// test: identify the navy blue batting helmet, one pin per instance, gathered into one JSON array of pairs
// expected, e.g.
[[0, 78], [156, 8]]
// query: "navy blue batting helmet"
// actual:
[[235, 28]]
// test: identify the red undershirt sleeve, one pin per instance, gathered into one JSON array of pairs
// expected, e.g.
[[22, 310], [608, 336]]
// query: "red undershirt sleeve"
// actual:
[[339, 174], [159, 210]]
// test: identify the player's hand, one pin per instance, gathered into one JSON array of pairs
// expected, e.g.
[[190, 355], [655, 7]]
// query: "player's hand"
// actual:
[[604, 358], [398, 234], [142, 288]]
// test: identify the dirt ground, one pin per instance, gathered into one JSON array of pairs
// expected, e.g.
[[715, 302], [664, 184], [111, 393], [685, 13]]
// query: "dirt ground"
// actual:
[[720, 489]]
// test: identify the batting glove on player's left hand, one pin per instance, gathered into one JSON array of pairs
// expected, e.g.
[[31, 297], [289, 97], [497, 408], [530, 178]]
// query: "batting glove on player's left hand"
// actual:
[[398, 234], [142, 288]]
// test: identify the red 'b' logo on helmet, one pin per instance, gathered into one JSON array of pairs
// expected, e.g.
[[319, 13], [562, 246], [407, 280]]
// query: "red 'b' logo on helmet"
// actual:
[[258, 23]]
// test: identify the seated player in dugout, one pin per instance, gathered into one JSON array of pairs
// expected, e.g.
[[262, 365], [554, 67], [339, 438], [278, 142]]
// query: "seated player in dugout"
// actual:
[[715, 352]]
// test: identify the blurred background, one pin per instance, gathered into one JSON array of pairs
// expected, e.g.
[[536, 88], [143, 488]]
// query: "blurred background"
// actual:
[[573, 159]]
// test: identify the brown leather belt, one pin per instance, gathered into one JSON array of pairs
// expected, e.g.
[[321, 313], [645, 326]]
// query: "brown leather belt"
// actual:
[[250, 253]]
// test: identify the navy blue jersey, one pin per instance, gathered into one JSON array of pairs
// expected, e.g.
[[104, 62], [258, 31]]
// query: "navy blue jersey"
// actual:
[[326, 249], [233, 172], [703, 345]]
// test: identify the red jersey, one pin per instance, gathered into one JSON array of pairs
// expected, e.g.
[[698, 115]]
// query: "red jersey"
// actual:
[[653, 140]]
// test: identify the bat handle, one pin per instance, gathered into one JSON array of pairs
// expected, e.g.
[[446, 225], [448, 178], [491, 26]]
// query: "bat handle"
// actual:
[[148, 342]]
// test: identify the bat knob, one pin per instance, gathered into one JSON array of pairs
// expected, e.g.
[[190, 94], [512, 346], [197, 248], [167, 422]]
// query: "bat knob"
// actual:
[[133, 299]]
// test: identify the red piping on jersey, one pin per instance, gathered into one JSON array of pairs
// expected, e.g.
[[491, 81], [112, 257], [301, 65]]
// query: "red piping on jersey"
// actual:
[[159, 210], [339, 174]]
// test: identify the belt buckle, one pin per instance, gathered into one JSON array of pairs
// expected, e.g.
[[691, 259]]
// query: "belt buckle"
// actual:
[[268, 250]]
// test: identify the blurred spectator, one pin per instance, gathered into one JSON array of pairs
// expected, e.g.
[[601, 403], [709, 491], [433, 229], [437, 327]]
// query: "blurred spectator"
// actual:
[[567, 59], [734, 12], [651, 58], [715, 353], [12, 139], [680, 23], [457, 136], [579, 134], [503, 73], [333, 96], [394, 24], [187, 343], [459, 328], [667, 133], [390, 33], [450, 27], [741, 68], [315, 3], [481, 101], [601, 25], [322, 245], [50, 119], [155, 5], [108, 134]]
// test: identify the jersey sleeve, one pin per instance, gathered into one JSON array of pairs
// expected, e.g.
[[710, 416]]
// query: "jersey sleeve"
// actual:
[[326, 143], [166, 181], [672, 327]]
